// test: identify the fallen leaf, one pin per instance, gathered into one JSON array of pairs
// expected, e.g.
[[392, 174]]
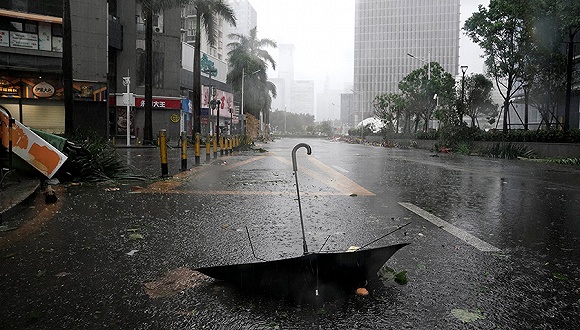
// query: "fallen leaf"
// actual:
[[132, 252], [388, 275], [352, 248], [560, 276], [5, 228], [62, 274], [136, 236], [466, 316], [175, 281]]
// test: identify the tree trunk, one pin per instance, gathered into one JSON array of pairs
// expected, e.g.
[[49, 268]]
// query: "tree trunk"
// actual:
[[148, 126], [67, 70]]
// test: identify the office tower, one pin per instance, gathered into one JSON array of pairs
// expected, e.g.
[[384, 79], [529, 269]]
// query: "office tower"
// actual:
[[387, 31], [246, 17]]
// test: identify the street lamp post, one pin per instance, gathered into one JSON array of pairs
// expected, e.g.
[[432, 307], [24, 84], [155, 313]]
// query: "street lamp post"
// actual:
[[463, 71], [428, 61], [213, 104], [242, 105]]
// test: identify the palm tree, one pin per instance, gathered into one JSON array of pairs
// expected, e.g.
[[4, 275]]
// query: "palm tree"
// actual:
[[248, 58], [207, 12]]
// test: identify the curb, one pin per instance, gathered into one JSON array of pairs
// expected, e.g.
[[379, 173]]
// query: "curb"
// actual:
[[12, 193]]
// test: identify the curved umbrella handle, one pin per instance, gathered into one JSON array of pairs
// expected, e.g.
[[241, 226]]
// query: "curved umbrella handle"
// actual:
[[298, 146], [308, 151]]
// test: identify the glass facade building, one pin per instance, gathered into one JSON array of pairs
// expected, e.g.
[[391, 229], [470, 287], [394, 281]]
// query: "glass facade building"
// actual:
[[386, 31]]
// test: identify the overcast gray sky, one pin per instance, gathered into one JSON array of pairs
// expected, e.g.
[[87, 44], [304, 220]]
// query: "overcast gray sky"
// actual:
[[323, 33]]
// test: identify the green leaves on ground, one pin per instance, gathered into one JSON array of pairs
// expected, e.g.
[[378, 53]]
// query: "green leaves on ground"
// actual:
[[560, 276], [134, 235], [466, 316], [388, 275]]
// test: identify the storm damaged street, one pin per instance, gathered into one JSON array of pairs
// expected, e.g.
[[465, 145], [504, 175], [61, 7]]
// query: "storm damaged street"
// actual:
[[492, 243]]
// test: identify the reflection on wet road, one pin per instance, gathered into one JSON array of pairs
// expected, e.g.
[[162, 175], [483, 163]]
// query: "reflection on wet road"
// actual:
[[492, 239]]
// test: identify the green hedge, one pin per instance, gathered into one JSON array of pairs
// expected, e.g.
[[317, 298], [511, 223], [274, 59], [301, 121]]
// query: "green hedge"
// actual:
[[460, 134]]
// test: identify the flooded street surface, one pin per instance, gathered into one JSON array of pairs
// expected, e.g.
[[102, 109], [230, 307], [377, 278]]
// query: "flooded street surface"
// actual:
[[494, 244]]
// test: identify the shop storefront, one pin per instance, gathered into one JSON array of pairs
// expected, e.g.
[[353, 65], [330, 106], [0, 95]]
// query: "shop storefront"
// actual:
[[37, 101], [167, 113], [223, 108]]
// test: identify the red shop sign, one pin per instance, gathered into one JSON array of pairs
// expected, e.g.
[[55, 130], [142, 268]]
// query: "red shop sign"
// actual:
[[159, 103]]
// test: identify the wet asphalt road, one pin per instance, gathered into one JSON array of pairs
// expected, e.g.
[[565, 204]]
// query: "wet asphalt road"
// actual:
[[85, 262]]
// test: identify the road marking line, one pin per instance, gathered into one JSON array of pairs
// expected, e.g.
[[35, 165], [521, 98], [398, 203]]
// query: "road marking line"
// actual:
[[465, 236], [332, 178], [340, 169]]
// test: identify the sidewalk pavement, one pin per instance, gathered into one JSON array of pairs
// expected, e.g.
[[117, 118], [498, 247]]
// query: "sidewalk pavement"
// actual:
[[14, 189]]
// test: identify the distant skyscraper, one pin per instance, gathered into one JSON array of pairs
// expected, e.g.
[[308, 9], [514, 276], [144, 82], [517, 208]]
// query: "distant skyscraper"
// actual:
[[302, 97], [285, 69], [386, 31], [246, 17]]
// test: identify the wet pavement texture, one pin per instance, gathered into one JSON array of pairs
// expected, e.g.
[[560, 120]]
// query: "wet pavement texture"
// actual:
[[91, 260]]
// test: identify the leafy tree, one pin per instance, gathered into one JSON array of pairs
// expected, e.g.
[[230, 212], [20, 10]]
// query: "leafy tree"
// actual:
[[419, 91], [325, 128], [478, 100], [390, 108], [249, 60], [295, 123], [208, 12], [544, 71], [503, 31]]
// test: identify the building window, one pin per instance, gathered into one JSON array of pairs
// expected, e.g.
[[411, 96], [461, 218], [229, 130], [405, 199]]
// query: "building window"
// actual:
[[30, 34]]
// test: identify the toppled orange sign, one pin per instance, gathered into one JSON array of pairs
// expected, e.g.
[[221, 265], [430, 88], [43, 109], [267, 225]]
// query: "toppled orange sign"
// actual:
[[30, 147]]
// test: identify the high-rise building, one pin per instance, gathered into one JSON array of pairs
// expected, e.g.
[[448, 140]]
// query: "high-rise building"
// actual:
[[246, 17], [285, 69], [188, 25], [387, 31], [302, 97]]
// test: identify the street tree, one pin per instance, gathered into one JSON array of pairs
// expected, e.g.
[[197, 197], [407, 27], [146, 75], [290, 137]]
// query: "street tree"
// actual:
[[477, 96], [555, 23], [249, 61], [325, 128], [207, 14], [419, 89], [290, 122], [503, 31], [390, 108]]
